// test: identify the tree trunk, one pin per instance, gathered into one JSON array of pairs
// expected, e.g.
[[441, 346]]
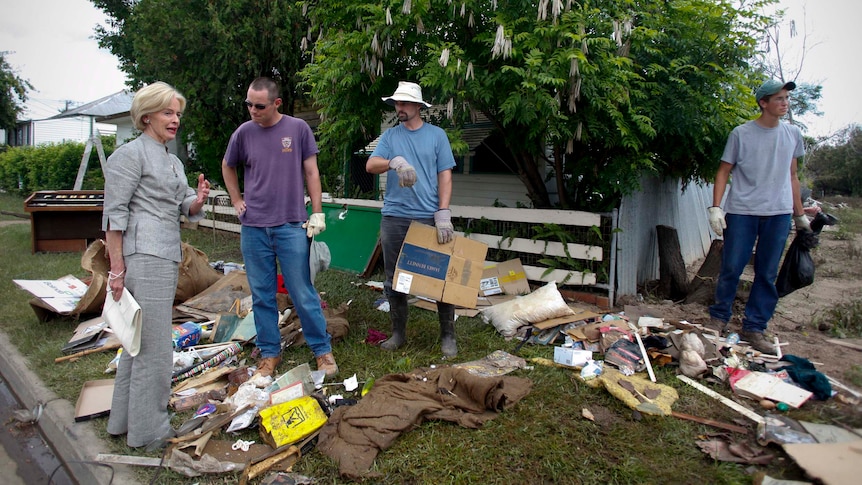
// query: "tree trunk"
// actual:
[[702, 288], [673, 281]]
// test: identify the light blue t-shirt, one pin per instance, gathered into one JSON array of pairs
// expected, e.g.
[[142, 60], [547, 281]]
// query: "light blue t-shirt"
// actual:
[[761, 159], [428, 151]]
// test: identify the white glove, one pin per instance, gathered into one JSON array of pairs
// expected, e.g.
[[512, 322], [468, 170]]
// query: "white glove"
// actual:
[[802, 223], [406, 172], [716, 220], [443, 222], [315, 224]]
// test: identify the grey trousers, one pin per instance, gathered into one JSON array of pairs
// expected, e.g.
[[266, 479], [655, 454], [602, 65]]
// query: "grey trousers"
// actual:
[[143, 384]]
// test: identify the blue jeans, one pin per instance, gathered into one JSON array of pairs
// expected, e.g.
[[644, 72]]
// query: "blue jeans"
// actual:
[[289, 245], [770, 234]]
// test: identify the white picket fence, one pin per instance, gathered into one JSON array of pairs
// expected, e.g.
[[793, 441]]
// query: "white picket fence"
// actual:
[[222, 217]]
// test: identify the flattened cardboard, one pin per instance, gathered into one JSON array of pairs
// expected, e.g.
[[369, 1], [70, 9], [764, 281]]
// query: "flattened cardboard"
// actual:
[[94, 400], [87, 335], [832, 463], [449, 272], [759, 385], [506, 278], [60, 296], [580, 314]]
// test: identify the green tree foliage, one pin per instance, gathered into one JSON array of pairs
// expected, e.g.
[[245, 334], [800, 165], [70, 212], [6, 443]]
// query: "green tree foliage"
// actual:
[[13, 94], [599, 92], [210, 51], [836, 167], [51, 166]]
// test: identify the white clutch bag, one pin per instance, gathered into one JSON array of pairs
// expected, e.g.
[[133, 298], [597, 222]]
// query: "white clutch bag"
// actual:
[[124, 318]]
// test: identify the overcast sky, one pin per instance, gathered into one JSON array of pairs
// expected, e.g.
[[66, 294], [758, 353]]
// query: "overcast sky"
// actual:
[[52, 46]]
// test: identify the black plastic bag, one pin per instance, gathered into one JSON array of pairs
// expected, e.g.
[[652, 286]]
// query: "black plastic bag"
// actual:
[[797, 271]]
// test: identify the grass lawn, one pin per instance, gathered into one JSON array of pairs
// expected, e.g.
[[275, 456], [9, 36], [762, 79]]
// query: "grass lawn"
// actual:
[[542, 439]]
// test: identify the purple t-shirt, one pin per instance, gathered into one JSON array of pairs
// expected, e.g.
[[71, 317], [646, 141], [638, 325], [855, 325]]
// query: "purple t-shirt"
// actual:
[[272, 161]]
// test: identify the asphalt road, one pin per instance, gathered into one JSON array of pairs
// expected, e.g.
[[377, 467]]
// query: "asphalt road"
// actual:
[[25, 458]]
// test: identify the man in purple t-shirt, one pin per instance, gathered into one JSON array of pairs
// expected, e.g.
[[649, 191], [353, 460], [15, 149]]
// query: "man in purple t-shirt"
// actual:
[[278, 155]]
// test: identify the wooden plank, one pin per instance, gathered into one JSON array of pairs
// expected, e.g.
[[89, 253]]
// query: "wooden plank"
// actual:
[[535, 273], [748, 413], [562, 217], [128, 460], [842, 343], [710, 422], [577, 251]]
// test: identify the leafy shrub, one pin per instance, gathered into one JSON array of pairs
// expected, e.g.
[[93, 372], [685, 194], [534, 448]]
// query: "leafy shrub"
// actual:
[[52, 166]]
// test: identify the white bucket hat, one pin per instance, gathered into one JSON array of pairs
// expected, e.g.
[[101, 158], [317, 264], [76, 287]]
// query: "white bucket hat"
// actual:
[[409, 92]]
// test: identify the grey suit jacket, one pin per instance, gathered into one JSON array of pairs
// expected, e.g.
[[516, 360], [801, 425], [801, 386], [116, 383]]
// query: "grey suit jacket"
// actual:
[[146, 190]]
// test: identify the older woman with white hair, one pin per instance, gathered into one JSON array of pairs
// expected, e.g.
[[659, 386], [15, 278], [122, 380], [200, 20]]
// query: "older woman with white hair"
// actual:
[[146, 191]]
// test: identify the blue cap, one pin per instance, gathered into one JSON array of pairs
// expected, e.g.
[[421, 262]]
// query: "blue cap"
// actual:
[[771, 87]]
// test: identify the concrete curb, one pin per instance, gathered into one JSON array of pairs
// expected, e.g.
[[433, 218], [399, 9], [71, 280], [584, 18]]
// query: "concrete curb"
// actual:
[[72, 442]]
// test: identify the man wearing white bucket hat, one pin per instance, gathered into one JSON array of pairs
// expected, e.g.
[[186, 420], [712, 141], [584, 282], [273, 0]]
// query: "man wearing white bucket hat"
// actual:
[[419, 160]]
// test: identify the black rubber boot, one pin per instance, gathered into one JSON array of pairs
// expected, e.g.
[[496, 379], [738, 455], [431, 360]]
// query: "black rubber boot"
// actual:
[[398, 317], [448, 345]]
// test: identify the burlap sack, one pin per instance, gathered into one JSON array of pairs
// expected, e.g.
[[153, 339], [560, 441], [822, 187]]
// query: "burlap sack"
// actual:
[[196, 274]]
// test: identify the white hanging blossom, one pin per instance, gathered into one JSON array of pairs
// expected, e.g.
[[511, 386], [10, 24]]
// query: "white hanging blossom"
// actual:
[[574, 68], [420, 27], [458, 66], [304, 44], [375, 44], [408, 5], [450, 108], [579, 130], [469, 74], [388, 16], [570, 146], [470, 21], [543, 10], [502, 44], [618, 34], [444, 57], [583, 34], [574, 95], [556, 9], [463, 10]]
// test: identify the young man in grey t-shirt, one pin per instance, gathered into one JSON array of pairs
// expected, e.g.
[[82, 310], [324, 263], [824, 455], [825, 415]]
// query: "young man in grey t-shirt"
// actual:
[[762, 157]]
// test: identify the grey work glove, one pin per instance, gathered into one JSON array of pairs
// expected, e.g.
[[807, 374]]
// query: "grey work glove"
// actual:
[[315, 224], [802, 223], [406, 172], [443, 222], [716, 220]]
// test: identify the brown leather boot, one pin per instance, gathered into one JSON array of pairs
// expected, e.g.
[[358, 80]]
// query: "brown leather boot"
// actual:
[[326, 363], [266, 366]]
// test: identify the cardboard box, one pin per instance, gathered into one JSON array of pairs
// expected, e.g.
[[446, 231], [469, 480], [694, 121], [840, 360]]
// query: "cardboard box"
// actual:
[[572, 357], [507, 278], [448, 272], [94, 400]]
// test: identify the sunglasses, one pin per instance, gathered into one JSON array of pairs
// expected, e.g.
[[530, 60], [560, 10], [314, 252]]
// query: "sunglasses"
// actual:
[[249, 104]]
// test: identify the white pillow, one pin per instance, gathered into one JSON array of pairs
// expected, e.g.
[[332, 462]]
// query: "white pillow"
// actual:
[[540, 305]]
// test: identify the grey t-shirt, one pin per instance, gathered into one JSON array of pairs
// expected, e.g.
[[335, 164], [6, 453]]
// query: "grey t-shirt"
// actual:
[[760, 178]]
